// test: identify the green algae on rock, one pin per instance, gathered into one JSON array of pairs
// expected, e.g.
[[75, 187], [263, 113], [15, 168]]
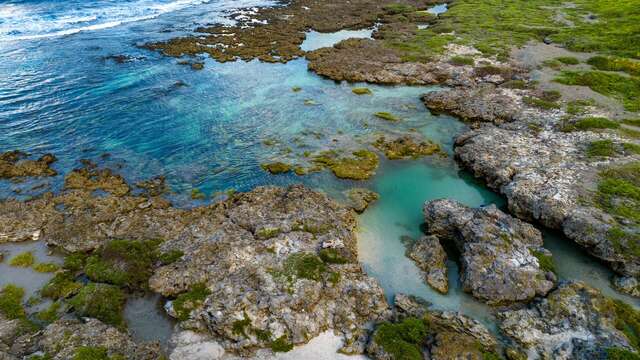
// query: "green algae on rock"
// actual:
[[25, 259], [361, 166], [61, 286], [15, 164], [361, 91], [406, 148], [101, 301], [11, 302], [386, 116], [190, 300], [276, 167]]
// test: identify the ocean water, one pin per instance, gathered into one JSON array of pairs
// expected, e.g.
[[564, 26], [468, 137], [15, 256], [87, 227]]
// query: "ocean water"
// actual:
[[61, 91]]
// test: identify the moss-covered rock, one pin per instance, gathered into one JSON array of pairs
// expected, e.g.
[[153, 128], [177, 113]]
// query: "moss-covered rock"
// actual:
[[190, 300], [101, 301], [360, 166], [25, 259], [361, 91], [11, 302], [276, 167], [386, 116], [406, 147], [61, 286]]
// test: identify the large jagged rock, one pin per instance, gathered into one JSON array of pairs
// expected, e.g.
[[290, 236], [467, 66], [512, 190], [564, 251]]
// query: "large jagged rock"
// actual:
[[420, 332], [279, 265], [497, 251], [62, 339], [431, 258], [573, 322], [547, 177]]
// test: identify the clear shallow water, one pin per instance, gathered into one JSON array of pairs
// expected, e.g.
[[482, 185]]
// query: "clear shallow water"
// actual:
[[206, 129]]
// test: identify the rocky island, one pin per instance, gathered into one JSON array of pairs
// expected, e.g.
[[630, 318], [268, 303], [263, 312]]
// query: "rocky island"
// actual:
[[549, 96]]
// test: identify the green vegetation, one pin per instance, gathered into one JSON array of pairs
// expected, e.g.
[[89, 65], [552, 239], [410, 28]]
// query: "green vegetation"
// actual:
[[402, 340], [361, 91], [74, 262], [627, 320], [617, 353], [386, 116], [359, 167], [461, 60], [332, 256], [170, 257], [186, 302], [267, 232], [626, 89], [568, 60], [197, 194], [578, 107], [46, 267], [602, 148], [123, 263], [394, 9], [632, 122], [611, 63], [305, 266], [281, 344], [61, 286], [631, 148], [25, 259], [94, 353], [619, 191], [101, 301], [515, 84], [296, 89], [545, 261], [50, 314], [11, 302], [591, 123], [276, 167], [540, 103], [239, 326]]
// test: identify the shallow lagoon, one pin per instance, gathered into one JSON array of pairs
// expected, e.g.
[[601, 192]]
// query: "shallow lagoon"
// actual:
[[207, 129]]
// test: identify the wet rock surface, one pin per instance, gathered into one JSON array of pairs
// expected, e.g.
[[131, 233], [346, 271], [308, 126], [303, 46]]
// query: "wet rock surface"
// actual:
[[360, 198], [406, 147], [498, 252], [431, 258], [573, 322]]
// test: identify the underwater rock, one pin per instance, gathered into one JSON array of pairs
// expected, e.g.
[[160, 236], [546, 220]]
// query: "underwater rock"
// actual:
[[431, 258], [574, 321], [276, 167], [360, 198], [16, 164], [361, 165], [406, 147], [502, 257]]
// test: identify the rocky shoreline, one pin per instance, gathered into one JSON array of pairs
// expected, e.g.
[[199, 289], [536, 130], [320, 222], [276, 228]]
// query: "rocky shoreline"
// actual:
[[275, 267]]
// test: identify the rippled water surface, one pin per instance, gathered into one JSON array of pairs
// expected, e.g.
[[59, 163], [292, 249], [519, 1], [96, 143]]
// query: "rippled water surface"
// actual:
[[69, 95]]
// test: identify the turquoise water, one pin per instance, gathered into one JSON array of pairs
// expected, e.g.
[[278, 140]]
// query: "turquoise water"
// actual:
[[207, 129]]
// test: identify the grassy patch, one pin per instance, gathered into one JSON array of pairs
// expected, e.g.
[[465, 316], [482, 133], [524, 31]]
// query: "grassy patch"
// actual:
[[101, 301], [568, 60], [627, 320], [11, 302], [601, 148], [619, 191], [610, 63], [267, 232], [50, 314], [578, 107], [617, 353], [461, 60], [186, 302], [94, 353], [591, 123], [25, 259], [332, 256], [123, 263], [402, 340], [540, 103], [61, 286], [46, 267], [545, 261], [623, 88], [281, 344], [632, 122], [305, 266]]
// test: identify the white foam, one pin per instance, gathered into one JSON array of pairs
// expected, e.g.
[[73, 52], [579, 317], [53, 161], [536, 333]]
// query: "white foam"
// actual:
[[28, 22]]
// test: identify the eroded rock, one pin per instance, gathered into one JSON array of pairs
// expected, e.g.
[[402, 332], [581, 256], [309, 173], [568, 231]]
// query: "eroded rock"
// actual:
[[499, 253], [431, 258], [16, 164]]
